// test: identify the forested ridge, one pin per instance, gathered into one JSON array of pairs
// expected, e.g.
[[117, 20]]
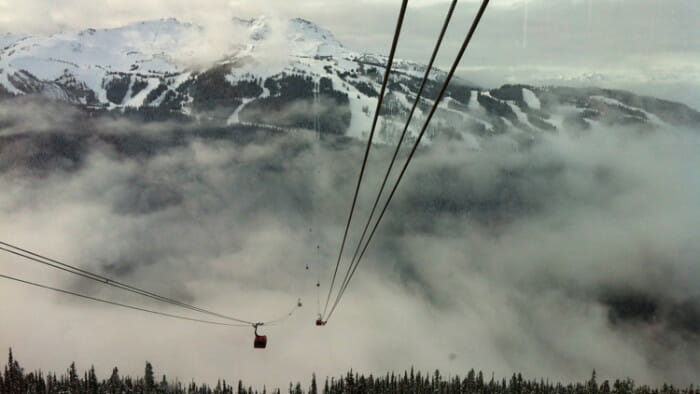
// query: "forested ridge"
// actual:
[[14, 380]]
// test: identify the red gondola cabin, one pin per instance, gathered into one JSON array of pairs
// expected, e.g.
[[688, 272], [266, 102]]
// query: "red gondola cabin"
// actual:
[[320, 322], [260, 341]]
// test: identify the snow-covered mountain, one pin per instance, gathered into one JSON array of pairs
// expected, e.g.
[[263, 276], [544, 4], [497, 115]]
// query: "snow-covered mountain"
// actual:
[[290, 74]]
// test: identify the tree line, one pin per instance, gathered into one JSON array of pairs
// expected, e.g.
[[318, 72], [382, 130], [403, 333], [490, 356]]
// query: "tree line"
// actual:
[[14, 380]]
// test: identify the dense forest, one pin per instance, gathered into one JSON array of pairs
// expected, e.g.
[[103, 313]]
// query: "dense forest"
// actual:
[[14, 380]]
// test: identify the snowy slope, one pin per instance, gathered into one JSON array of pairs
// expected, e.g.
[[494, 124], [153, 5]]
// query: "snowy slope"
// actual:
[[270, 72], [31, 64]]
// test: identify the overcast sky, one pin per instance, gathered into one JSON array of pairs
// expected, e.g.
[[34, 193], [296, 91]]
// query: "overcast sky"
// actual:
[[649, 46]]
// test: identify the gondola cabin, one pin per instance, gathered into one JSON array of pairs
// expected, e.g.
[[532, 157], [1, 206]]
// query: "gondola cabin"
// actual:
[[320, 322], [260, 342]]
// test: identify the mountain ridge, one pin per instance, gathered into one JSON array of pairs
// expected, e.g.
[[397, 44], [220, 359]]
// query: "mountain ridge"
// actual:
[[293, 74]]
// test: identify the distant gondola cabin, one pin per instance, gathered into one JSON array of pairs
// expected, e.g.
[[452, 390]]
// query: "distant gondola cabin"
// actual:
[[260, 342]]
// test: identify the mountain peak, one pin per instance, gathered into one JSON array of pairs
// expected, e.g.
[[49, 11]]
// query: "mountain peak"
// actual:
[[305, 37], [303, 30], [160, 45]]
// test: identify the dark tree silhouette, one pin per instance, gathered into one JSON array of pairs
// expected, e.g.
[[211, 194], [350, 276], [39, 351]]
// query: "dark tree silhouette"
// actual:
[[14, 381]]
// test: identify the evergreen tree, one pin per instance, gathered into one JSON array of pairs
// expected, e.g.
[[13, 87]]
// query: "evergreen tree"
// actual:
[[13, 375], [50, 383], [163, 386], [148, 379], [73, 379], [92, 383], [592, 385], [314, 388], [350, 382], [470, 382], [114, 385]]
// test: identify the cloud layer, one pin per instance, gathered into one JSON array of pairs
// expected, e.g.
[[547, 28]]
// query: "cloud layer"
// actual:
[[568, 253]]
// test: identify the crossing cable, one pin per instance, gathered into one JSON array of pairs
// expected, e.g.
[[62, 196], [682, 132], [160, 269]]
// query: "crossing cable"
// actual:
[[120, 304], [403, 135], [282, 318], [390, 60], [105, 280], [472, 29]]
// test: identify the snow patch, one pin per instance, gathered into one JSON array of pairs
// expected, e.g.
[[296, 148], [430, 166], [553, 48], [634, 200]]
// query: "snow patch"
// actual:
[[474, 101], [531, 99], [140, 97], [611, 101], [233, 119]]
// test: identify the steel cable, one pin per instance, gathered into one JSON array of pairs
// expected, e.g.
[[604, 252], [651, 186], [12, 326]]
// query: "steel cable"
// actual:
[[467, 39], [108, 281], [403, 135], [390, 60]]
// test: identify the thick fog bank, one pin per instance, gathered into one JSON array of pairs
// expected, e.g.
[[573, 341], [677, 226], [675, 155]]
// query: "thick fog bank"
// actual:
[[552, 255]]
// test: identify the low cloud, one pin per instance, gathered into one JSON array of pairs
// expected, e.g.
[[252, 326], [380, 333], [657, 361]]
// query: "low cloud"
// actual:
[[572, 252]]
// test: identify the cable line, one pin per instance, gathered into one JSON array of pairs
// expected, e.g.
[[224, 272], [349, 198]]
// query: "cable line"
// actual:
[[120, 304], [390, 60], [467, 39], [403, 135], [108, 281], [280, 319]]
